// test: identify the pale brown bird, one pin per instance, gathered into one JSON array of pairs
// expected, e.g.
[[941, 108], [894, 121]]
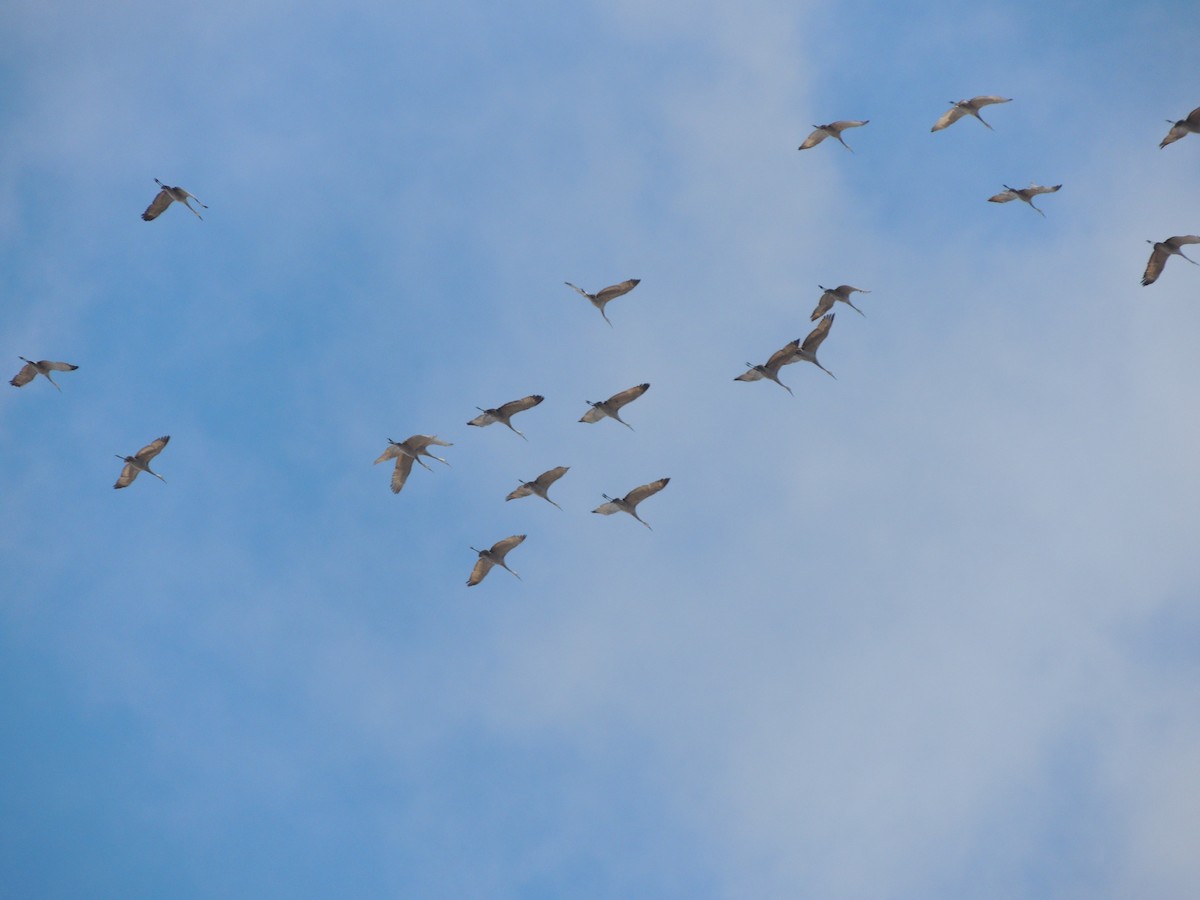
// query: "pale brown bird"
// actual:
[[970, 107], [166, 197], [833, 130], [506, 412], [1164, 250], [493, 557], [833, 295], [406, 453], [808, 349], [1182, 128], [628, 503], [540, 485], [601, 297], [1026, 194], [612, 406], [32, 370], [140, 462], [780, 358]]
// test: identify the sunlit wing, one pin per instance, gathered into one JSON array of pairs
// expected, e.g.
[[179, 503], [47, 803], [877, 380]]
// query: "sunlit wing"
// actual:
[[500, 548], [421, 441], [813, 139], [607, 509], [988, 100], [404, 464], [152, 449], [485, 418], [548, 478], [1035, 189], [27, 374], [616, 401], [1003, 197], [784, 355], [516, 406], [638, 494], [523, 491], [616, 290], [391, 452], [813, 341], [823, 306], [952, 115], [160, 202], [593, 415], [482, 567], [128, 473], [751, 375]]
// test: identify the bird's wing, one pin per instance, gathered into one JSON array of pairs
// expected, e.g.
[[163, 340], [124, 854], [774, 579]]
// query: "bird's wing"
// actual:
[[128, 473], [27, 374], [607, 509], [152, 449], [550, 476], [500, 548], [1035, 189], [482, 567], [988, 100], [616, 401], [523, 491], [784, 355], [404, 464], [592, 415], [638, 494], [391, 452], [751, 375], [484, 418], [516, 406], [1158, 259], [581, 290], [813, 139], [952, 115], [843, 125], [1003, 197], [616, 290], [823, 306], [161, 201], [1180, 239], [421, 441], [57, 366], [1177, 132], [813, 341]]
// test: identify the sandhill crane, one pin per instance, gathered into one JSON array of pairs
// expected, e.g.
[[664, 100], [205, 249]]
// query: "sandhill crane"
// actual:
[[166, 197], [833, 130], [831, 296], [612, 406], [971, 107], [140, 462], [808, 349], [540, 485], [32, 370], [1026, 194], [1164, 250], [1182, 128], [601, 297], [770, 369], [493, 557], [406, 453], [628, 503], [507, 411]]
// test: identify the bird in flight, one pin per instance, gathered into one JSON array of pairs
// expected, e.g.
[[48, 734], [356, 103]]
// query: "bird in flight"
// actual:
[[1164, 250], [493, 557], [165, 197], [140, 462], [601, 297], [506, 412], [770, 369], [831, 296], [971, 107], [1182, 128], [540, 485], [1026, 194], [833, 130], [406, 453], [628, 503], [612, 406], [32, 370]]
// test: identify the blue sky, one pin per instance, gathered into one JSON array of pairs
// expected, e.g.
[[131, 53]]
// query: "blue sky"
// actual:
[[925, 631]]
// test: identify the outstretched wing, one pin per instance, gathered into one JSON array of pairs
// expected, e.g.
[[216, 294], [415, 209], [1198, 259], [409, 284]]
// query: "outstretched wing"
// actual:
[[813, 139], [523, 491], [823, 306], [482, 567], [500, 548], [1003, 197], [1035, 189], [404, 464], [515, 406], [988, 100], [419, 442], [161, 201], [550, 476], [607, 509], [391, 452], [844, 124], [952, 115], [616, 401], [616, 290], [27, 374], [751, 375], [784, 355], [818, 334], [484, 418], [1180, 239], [56, 366], [152, 449], [638, 494], [128, 473], [581, 290]]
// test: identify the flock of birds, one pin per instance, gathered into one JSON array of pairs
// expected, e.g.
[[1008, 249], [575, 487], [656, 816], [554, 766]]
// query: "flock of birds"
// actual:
[[410, 451]]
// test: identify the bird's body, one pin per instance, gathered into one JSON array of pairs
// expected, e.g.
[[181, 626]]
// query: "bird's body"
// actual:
[[601, 297], [506, 412], [1026, 194], [628, 503], [540, 485], [808, 349], [1182, 128], [770, 369], [960, 108], [612, 406], [1164, 250], [833, 130], [493, 557], [140, 462], [165, 197], [833, 295], [32, 370], [406, 453]]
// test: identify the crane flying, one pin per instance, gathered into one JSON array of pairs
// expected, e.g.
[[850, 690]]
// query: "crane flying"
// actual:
[[506, 412], [612, 292], [628, 503], [770, 369], [833, 130], [32, 370], [1164, 250], [612, 406], [1026, 194], [1182, 128], [540, 485], [832, 295], [140, 462], [960, 108], [407, 452], [493, 557], [166, 197]]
